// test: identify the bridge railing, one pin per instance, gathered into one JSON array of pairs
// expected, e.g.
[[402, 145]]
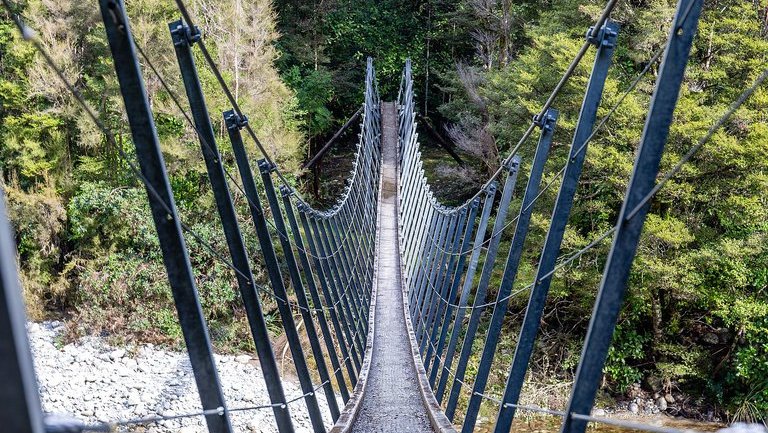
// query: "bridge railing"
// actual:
[[442, 247], [331, 280]]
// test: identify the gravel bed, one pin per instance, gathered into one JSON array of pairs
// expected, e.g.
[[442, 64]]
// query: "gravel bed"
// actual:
[[95, 382]]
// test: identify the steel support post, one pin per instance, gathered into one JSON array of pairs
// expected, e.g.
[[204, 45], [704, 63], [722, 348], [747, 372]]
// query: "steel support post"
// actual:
[[469, 279], [336, 288], [346, 287], [250, 297], [435, 280], [442, 325], [313, 293], [21, 411], [510, 269], [482, 287], [418, 254], [632, 216], [164, 214], [334, 311], [183, 38], [301, 297], [289, 326], [427, 262], [606, 42]]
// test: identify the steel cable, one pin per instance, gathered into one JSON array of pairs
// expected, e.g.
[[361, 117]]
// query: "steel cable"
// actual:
[[113, 425], [30, 35], [597, 129]]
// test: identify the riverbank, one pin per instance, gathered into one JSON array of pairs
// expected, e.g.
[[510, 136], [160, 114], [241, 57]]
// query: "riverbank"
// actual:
[[95, 382]]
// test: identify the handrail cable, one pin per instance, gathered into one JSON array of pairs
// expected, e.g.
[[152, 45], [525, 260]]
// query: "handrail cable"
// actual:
[[564, 260], [109, 427], [597, 129], [595, 30], [676, 169], [30, 35], [235, 106], [210, 148]]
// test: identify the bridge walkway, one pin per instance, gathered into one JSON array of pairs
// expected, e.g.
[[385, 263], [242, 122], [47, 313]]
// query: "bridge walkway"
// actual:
[[392, 401]]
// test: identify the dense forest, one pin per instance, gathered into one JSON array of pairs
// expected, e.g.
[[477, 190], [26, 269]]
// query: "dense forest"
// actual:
[[696, 317]]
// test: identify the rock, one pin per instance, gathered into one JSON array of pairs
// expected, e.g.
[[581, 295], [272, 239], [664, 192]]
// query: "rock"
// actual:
[[91, 380], [661, 403], [634, 408], [710, 338], [54, 380], [669, 398], [254, 427], [654, 383], [140, 410], [598, 412]]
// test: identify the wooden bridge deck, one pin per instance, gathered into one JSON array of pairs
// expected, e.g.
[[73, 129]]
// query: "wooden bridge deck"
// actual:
[[392, 401]]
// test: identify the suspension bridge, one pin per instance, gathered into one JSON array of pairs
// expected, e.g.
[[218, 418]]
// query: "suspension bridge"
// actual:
[[392, 285]]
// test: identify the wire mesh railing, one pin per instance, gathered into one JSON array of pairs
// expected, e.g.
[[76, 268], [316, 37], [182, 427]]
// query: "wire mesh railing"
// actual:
[[331, 281], [449, 254], [443, 247]]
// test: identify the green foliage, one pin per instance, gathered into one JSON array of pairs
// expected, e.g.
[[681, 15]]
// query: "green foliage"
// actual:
[[87, 242], [694, 314], [39, 221], [104, 218], [627, 348], [313, 92]]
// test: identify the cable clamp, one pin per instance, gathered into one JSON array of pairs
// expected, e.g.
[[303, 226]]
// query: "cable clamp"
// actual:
[[183, 34], [286, 191], [266, 166], [546, 122], [512, 164], [235, 121], [605, 37]]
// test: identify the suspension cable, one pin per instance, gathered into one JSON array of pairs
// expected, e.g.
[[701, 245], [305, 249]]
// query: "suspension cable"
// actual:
[[702, 141], [597, 129], [204, 141], [230, 96], [30, 35], [606, 12]]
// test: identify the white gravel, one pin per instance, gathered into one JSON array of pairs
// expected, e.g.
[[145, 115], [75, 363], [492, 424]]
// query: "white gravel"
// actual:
[[95, 382]]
